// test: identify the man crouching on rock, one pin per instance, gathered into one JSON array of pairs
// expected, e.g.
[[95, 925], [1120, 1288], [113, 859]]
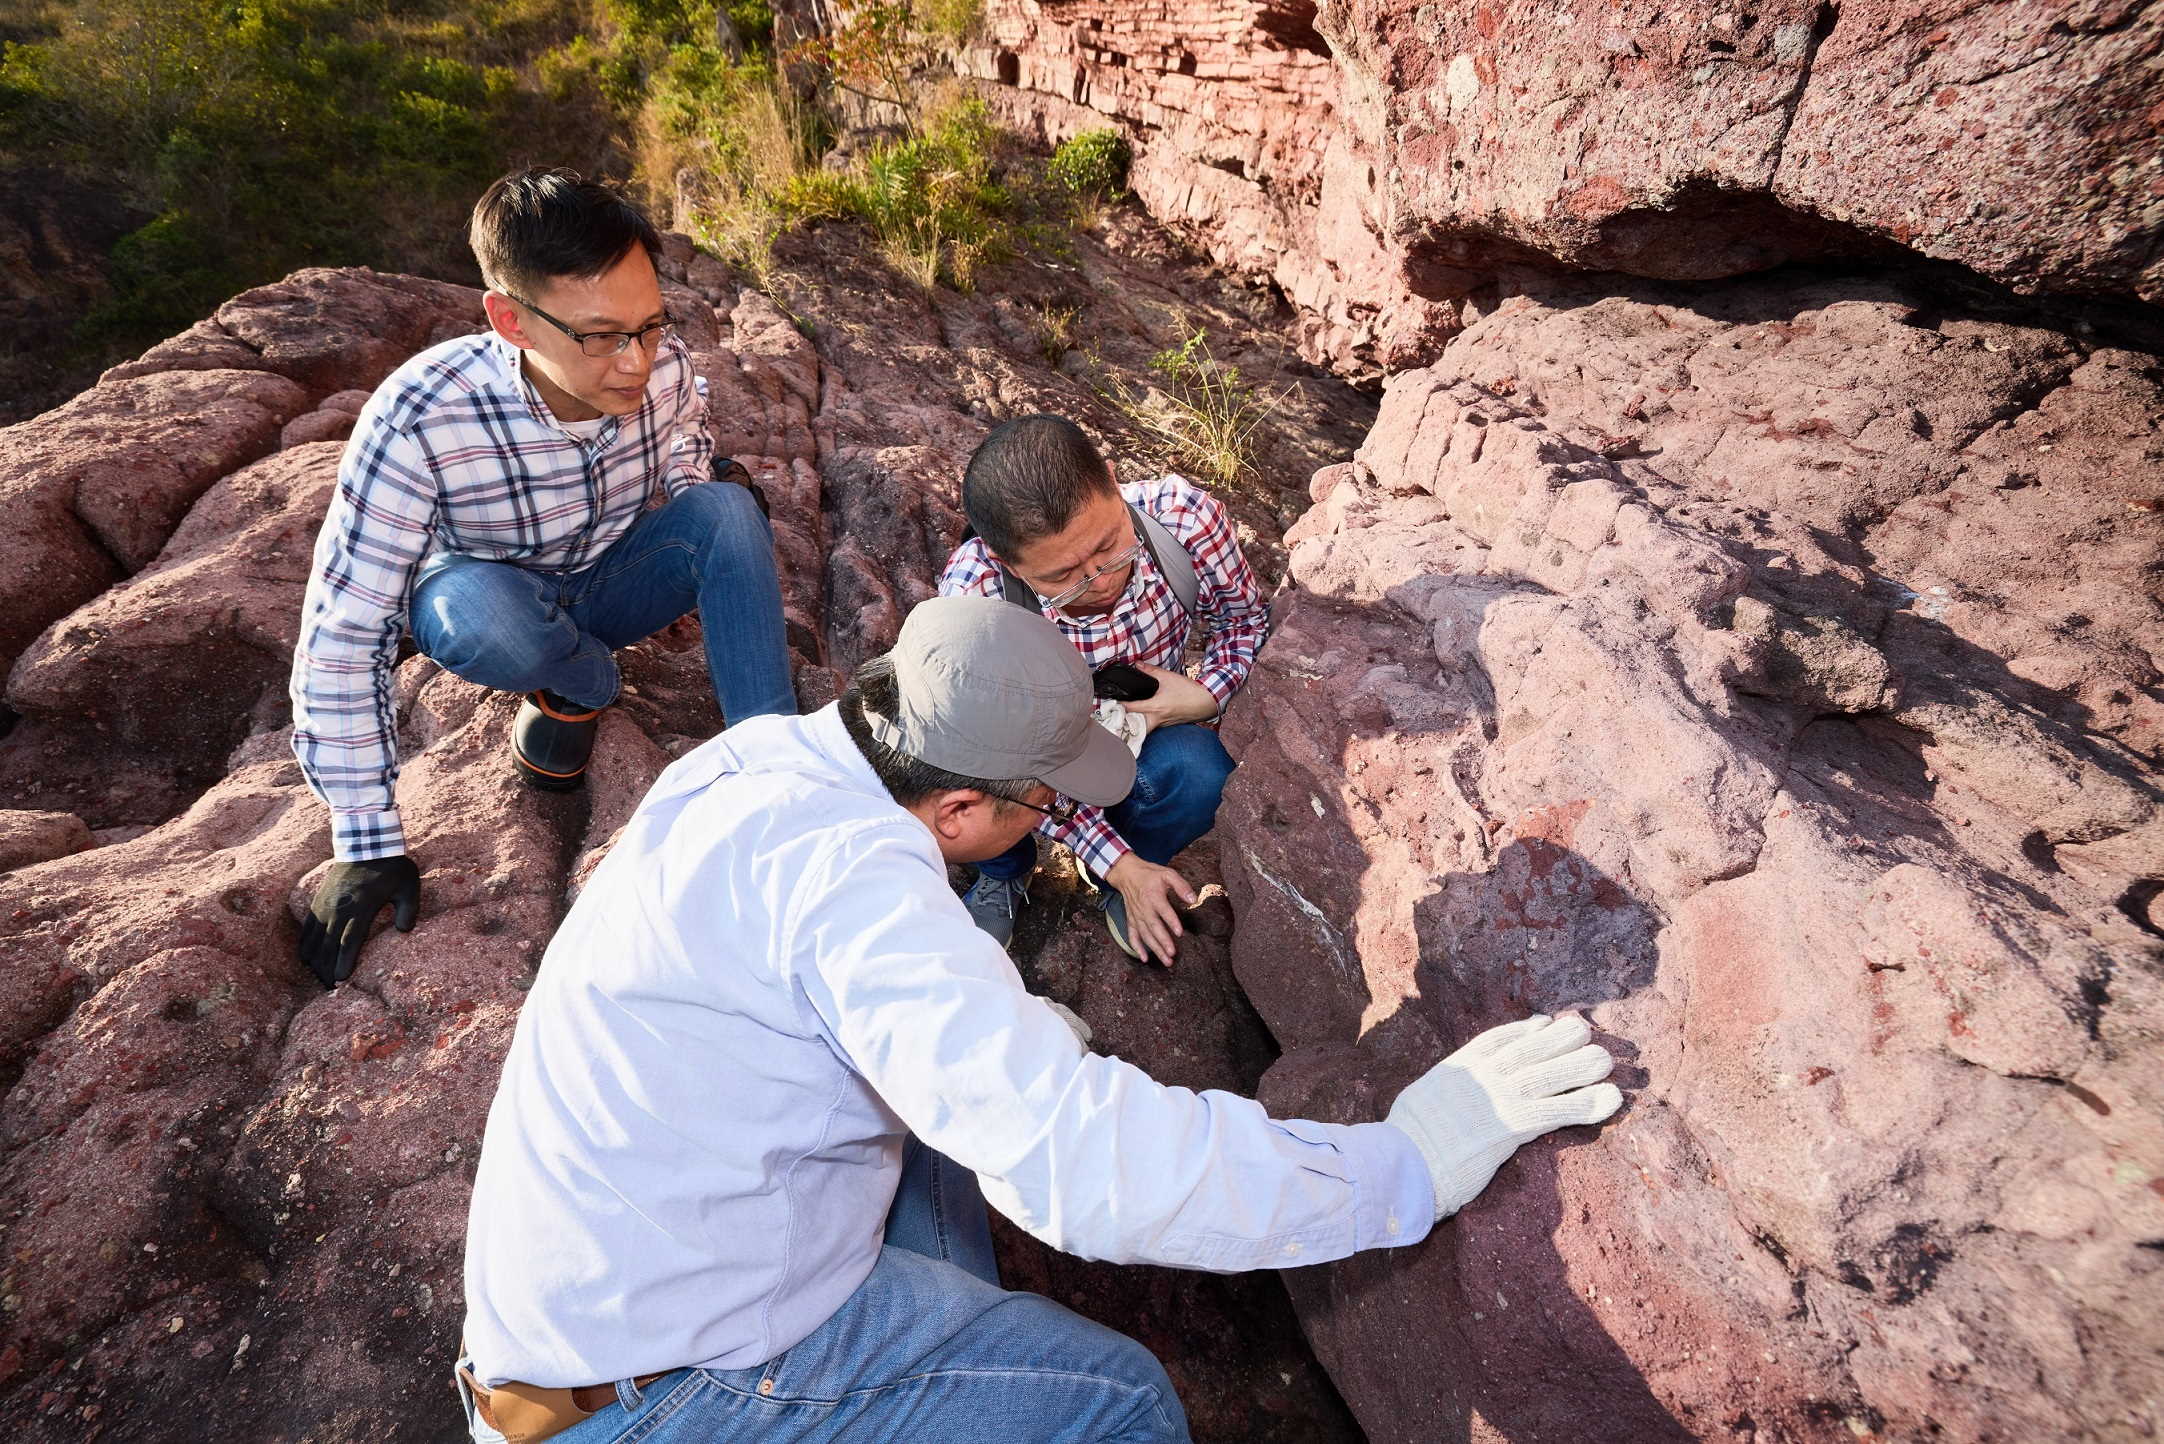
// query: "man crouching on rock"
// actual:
[[494, 497], [1126, 572], [730, 1187]]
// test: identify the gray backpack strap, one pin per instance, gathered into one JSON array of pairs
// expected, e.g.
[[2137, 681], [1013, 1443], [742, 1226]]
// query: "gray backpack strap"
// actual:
[[1172, 559], [1017, 591]]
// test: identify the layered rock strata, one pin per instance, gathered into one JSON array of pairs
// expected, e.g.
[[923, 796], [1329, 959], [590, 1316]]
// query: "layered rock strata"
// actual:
[[1375, 161], [1756, 675]]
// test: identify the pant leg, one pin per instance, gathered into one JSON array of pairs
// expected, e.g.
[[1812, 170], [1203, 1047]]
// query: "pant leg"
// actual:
[[1179, 779], [939, 1211], [501, 625], [708, 548], [922, 1351]]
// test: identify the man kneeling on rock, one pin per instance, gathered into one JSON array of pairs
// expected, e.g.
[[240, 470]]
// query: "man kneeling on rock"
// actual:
[[495, 496], [730, 1186], [1126, 572]]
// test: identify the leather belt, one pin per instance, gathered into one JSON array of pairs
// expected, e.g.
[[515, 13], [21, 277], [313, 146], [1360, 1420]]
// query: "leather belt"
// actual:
[[593, 1398]]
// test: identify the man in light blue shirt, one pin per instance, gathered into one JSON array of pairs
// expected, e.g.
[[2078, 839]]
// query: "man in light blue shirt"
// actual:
[[730, 1184]]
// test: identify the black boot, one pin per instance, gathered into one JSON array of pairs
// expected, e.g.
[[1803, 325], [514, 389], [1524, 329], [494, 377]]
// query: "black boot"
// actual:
[[551, 741]]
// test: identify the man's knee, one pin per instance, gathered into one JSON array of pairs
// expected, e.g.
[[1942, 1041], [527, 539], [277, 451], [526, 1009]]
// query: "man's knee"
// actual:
[[1187, 768], [477, 617]]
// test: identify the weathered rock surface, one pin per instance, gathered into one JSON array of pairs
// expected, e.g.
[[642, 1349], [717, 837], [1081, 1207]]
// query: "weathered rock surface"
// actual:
[[1664, 706], [1377, 160], [230, 1197]]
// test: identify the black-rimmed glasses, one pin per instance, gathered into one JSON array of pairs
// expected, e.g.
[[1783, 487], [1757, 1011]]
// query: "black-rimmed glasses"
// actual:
[[1060, 811], [604, 343]]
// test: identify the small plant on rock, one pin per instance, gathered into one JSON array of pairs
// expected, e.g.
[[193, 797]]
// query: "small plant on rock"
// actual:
[[1204, 415]]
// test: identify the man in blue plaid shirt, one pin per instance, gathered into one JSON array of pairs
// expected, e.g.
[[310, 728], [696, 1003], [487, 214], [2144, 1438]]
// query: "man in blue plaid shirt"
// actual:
[[496, 498]]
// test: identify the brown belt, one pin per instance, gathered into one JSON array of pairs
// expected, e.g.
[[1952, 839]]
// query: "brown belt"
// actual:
[[525, 1414]]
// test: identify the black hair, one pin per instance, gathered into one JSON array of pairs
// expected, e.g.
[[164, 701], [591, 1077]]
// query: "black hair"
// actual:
[[535, 225], [1028, 479], [908, 779]]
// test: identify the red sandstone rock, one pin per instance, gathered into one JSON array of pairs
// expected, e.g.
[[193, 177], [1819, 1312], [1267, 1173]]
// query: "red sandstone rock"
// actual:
[[1376, 160], [330, 330], [31, 837], [93, 488], [1543, 729]]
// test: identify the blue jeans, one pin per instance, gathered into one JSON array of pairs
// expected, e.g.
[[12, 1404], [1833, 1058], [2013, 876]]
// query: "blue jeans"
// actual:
[[929, 1348], [1178, 780], [520, 630]]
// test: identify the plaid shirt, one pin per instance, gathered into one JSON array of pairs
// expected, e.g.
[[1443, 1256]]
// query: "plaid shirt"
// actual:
[[454, 452], [1148, 624]]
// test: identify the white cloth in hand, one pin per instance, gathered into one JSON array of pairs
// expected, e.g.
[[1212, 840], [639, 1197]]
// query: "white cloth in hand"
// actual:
[[1129, 727], [1470, 1112]]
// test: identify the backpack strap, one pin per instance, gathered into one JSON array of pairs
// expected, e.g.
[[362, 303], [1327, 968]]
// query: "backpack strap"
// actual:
[[1172, 560]]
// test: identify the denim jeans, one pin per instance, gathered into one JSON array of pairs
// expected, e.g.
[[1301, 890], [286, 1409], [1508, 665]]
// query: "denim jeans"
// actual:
[[1179, 779], [510, 627], [929, 1348]]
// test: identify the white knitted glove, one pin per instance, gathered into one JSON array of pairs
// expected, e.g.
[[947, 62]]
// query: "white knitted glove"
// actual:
[[1470, 1112], [1072, 1019]]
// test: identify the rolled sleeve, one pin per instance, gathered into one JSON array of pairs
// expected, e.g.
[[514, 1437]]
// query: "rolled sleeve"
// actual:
[[1090, 838]]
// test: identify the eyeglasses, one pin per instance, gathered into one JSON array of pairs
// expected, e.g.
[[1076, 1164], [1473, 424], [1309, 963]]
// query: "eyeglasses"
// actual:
[[1132, 554], [604, 343], [1060, 811]]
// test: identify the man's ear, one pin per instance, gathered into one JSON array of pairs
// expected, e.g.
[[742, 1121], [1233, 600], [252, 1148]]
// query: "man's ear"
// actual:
[[1111, 473], [951, 814], [503, 319]]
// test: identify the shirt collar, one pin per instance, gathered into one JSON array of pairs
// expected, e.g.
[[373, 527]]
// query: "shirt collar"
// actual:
[[511, 373]]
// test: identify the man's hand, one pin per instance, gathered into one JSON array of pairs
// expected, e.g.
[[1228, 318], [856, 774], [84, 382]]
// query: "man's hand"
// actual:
[[1179, 698], [345, 907], [1152, 916], [1470, 1112]]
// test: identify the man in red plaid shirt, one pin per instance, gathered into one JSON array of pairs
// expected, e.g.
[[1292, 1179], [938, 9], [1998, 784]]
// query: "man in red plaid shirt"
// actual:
[[1046, 509]]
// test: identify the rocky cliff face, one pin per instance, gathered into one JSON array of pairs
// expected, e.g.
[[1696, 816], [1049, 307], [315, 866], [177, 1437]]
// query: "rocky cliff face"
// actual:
[[1734, 625], [1376, 160]]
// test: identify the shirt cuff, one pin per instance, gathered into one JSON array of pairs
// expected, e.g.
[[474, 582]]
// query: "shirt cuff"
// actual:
[[1221, 683], [1393, 1196], [1100, 850], [359, 836]]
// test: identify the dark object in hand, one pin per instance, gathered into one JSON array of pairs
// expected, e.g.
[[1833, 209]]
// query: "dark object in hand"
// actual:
[[1122, 682], [345, 907]]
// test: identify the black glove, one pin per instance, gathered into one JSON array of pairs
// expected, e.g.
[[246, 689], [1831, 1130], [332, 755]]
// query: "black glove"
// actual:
[[345, 907]]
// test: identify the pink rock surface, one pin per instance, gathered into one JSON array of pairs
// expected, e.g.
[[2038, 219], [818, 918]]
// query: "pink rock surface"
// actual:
[[1650, 735], [28, 837]]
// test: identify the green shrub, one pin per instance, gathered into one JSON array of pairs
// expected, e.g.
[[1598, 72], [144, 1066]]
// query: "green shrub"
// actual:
[[1093, 163]]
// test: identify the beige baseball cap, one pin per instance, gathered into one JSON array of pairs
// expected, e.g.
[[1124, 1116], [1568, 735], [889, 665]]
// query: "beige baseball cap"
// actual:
[[989, 689]]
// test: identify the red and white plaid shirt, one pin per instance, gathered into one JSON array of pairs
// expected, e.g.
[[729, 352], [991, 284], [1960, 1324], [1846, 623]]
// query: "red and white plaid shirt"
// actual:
[[1148, 624]]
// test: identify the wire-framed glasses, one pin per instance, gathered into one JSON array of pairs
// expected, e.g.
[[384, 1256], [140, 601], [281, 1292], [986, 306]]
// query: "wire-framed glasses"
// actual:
[[1131, 554], [604, 343]]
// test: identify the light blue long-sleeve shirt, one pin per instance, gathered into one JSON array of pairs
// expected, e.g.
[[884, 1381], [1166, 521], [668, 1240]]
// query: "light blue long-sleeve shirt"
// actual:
[[763, 989]]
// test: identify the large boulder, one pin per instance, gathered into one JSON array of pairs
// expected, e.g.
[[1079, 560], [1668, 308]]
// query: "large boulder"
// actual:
[[1659, 733]]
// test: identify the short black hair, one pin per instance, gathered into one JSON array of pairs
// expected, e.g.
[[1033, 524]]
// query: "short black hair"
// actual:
[[908, 779], [1028, 479], [535, 225]]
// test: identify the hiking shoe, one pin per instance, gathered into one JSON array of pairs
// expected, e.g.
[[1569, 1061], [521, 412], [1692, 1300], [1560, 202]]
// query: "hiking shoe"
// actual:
[[992, 904], [551, 740], [1114, 904]]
